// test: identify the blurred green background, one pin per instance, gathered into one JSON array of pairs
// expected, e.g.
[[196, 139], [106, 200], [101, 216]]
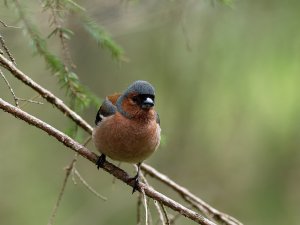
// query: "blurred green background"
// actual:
[[227, 83]]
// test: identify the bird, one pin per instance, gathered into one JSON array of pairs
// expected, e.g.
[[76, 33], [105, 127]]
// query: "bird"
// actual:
[[128, 127]]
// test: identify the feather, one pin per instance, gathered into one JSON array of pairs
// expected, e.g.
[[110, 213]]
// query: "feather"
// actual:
[[106, 109]]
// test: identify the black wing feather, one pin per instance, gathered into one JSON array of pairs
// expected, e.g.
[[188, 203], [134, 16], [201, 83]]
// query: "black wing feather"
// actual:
[[106, 109]]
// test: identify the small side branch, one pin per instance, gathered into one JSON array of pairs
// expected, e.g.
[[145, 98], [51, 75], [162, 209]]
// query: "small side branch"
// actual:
[[174, 218], [88, 186], [61, 193], [138, 214], [165, 214], [145, 206], [10, 88], [6, 50], [156, 204], [17, 99], [7, 26]]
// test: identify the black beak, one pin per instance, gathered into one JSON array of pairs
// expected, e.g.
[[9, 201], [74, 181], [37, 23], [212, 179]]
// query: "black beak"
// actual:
[[147, 103]]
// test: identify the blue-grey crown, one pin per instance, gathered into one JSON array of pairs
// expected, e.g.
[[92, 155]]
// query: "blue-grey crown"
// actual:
[[140, 87]]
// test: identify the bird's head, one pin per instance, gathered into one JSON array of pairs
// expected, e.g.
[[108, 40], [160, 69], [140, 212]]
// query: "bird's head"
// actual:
[[137, 100]]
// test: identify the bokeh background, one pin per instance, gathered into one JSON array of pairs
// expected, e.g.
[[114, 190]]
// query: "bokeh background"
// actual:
[[227, 82]]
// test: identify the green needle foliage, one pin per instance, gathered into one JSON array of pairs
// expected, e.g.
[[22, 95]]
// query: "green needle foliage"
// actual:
[[62, 66], [102, 37]]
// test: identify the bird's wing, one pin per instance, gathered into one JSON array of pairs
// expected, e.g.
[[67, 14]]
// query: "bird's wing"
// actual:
[[106, 109]]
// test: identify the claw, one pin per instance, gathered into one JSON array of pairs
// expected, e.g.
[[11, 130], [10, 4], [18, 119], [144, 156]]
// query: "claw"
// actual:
[[136, 179], [101, 160], [136, 183]]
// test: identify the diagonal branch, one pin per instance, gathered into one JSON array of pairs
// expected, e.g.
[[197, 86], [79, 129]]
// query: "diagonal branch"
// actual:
[[202, 206], [45, 93], [108, 167]]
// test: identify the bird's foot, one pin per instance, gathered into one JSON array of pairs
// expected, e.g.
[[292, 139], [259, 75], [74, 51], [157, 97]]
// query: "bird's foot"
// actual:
[[101, 160], [136, 183]]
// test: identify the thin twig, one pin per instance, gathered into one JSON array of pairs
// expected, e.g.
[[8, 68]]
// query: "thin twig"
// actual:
[[73, 177], [4, 24], [17, 99], [138, 214], [61, 193], [84, 182], [69, 170], [10, 88], [161, 216], [88, 186], [8, 26], [30, 101], [107, 166], [145, 206], [6, 50], [88, 139], [165, 213], [174, 218], [143, 178]]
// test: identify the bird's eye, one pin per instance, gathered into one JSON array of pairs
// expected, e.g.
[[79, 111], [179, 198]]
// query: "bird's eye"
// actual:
[[135, 99]]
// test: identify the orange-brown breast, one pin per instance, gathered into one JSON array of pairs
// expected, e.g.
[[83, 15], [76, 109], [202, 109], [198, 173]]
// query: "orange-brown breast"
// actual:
[[127, 140]]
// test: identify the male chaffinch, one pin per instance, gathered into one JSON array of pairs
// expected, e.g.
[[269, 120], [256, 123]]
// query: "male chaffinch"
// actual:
[[127, 126]]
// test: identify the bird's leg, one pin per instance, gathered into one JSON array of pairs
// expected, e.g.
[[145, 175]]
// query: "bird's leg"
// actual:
[[100, 161], [136, 179]]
